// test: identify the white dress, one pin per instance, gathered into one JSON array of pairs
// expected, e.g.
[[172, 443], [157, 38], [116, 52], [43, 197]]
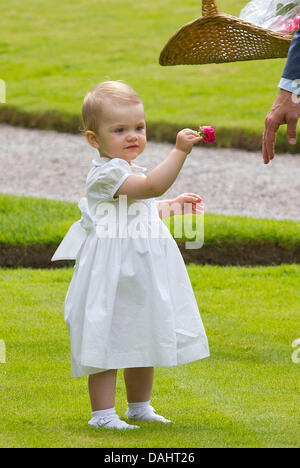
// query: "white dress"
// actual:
[[130, 302]]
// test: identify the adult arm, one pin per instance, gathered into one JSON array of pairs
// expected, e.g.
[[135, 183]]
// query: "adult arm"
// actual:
[[291, 70], [286, 107]]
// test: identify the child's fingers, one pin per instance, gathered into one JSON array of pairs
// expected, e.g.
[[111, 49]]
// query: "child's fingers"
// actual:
[[196, 139], [192, 194], [195, 136], [190, 132], [198, 206], [195, 208], [193, 197]]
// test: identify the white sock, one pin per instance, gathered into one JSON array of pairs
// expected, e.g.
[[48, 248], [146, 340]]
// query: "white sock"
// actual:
[[144, 411], [109, 419]]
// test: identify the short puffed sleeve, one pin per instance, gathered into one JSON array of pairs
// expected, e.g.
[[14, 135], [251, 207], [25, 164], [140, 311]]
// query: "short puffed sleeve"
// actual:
[[103, 181]]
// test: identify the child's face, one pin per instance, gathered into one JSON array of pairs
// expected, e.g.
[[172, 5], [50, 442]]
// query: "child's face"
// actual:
[[122, 133]]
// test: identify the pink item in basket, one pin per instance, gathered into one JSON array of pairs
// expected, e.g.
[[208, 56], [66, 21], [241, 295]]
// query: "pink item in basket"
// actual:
[[290, 26]]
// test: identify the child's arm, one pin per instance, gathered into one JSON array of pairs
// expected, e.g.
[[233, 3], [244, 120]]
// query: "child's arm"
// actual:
[[163, 206], [160, 179]]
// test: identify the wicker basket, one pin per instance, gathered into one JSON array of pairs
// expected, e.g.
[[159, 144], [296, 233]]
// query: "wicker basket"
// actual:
[[217, 37]]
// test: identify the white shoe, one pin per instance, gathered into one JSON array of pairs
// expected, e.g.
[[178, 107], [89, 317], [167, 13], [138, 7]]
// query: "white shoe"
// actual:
[[147, 413], [110, 422]]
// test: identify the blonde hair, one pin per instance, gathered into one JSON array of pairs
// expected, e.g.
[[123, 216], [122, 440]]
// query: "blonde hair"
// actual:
[[92, 108]]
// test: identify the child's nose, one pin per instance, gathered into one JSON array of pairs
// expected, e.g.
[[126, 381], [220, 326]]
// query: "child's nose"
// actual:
[[132, 136]]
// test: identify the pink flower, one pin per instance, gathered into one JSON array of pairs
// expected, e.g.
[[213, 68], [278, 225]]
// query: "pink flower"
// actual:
[[208, 134]]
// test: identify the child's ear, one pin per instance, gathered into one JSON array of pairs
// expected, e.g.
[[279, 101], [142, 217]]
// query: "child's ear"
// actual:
[[92, 139]]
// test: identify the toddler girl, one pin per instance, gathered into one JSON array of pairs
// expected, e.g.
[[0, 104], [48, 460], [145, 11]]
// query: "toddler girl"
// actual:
[[130, 304]]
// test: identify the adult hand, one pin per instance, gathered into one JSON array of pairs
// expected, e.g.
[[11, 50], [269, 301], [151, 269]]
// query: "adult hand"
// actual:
[[285, 110]]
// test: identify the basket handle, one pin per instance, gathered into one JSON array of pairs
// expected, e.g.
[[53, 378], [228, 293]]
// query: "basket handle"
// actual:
[[209, 7]]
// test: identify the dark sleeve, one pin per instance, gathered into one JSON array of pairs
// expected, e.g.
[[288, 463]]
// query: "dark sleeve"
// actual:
[[292, 67]]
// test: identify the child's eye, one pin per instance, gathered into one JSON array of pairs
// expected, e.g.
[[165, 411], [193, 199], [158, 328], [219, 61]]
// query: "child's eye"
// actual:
[[120, 130]]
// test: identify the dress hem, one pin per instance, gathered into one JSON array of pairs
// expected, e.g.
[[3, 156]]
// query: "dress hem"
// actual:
[[195, 353]]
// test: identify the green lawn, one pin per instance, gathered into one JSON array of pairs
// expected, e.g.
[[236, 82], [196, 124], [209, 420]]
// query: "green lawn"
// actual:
[[55, 52], [29, 220], [245, 395]]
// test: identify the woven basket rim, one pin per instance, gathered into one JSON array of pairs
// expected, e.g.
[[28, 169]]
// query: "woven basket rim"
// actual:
[[221, 18], [236, 20], [240, 21]]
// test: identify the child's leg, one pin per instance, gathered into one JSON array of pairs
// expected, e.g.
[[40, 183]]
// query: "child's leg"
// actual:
[[102, 389], [139, 383]]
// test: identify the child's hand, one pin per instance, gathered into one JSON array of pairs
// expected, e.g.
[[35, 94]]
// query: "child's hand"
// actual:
[[192, 201], [186, 139]]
